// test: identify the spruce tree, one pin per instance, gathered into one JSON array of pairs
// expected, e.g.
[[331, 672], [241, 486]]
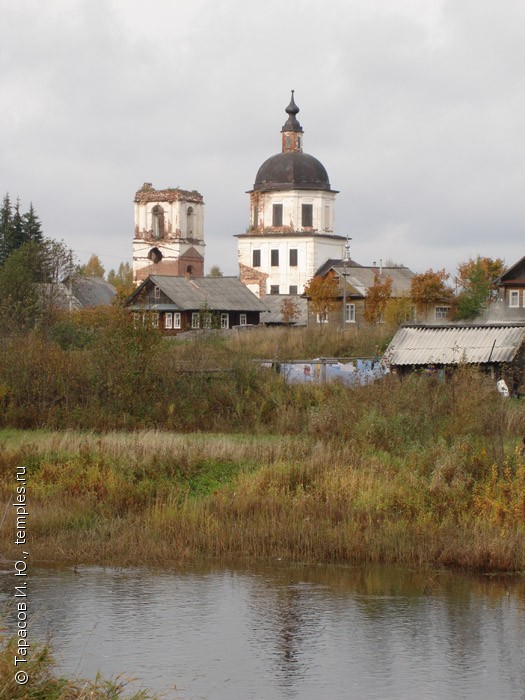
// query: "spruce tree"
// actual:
[[32, 226], [6, 222], [18, 235]]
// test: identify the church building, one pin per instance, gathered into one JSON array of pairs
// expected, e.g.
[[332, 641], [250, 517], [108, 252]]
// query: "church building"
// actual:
[[169, 233], [292, 213]]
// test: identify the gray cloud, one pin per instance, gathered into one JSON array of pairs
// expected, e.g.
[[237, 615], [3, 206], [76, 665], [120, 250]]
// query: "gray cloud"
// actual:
[[416, 111]]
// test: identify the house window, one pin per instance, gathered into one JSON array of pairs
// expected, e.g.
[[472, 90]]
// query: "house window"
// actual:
[[177, 320], [157, 292], [514, 298], [155, 320], [274, 258], [225, 321], [293, 257], [274, 289], [322, 317], [243, 321], [307, 215], [442, 312], [256, 258], [293, 289], [277, 218], [195, 320], [206, 320], [168, 321], [350, 313]]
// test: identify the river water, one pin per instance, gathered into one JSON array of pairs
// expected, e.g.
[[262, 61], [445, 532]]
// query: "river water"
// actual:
[[279, 632]]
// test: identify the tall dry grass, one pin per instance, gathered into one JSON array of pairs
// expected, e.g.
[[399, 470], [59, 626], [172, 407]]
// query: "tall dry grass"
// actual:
[[412, 472]]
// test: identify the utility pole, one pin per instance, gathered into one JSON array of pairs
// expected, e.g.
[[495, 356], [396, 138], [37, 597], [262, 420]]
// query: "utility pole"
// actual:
[[346, 258]]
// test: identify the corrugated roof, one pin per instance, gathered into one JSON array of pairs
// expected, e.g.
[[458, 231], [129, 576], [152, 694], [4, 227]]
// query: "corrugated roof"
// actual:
[[218, 293], [450, 345]]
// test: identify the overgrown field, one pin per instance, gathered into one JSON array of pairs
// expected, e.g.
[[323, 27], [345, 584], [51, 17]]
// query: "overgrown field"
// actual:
[[417, 472]]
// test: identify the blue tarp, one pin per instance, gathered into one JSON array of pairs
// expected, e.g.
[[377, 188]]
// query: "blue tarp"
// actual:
[[354, 373]]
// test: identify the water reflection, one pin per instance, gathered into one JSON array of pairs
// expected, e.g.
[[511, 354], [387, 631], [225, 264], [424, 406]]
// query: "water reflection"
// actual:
[[287, 632]]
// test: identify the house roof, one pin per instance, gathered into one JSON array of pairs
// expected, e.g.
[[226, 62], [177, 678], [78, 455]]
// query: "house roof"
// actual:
[[452, 345], [217, 293], [92, 291], [274, 302], [362, 278], [515, 273]]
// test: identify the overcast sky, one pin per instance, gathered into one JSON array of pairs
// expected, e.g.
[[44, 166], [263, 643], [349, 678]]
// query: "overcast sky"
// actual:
[[415, 107]]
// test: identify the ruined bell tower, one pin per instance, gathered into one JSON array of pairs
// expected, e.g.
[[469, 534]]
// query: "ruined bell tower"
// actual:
[[169, 233]]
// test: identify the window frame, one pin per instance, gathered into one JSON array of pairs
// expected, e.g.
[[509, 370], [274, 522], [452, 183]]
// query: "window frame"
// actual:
[[195, 320], [514, 293], [274, 257], [177, 320], [441, 312], [243, 319], [225, 320], [293, 259], [350, 312], [256, 257], [168, 320]]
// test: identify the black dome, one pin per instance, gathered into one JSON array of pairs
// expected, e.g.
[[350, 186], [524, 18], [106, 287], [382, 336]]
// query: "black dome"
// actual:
[[292, 171]]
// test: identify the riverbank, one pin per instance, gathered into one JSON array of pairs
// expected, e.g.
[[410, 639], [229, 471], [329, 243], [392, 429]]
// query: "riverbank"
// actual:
[[155, 498]]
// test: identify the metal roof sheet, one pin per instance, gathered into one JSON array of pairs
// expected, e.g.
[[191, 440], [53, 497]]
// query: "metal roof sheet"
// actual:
[[453, 345]]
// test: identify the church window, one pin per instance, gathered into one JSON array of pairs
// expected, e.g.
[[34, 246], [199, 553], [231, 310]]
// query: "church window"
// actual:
[[155, 255], [256, 258], [277, 218], [293, 257], [293, 289], [307, 215], [299, 142], [157, 221], [274, 289], [189, 221], [327, 218], [168, 321], [255, 216], [274, 258]]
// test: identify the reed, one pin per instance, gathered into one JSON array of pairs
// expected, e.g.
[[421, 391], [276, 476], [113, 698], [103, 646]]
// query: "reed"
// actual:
[[44, 684]]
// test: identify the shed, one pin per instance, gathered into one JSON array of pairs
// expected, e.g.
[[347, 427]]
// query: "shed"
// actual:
[[498, 348]]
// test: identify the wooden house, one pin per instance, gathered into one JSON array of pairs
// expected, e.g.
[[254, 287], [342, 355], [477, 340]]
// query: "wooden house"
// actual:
[[511, 305], [179, 304], [354, 281]]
